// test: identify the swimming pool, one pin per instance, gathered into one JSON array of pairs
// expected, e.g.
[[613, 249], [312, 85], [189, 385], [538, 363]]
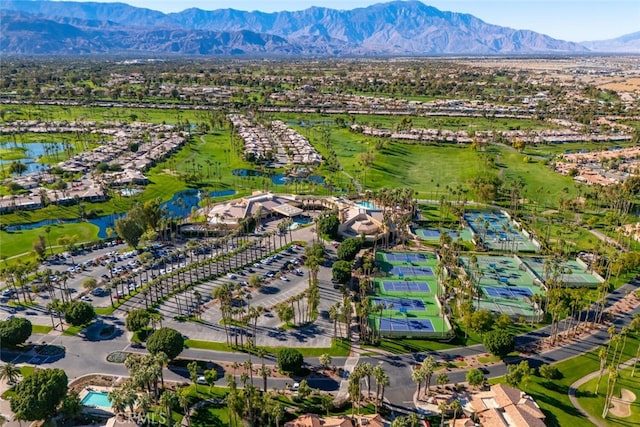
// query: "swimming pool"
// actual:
[[368, 205], [97, 399]]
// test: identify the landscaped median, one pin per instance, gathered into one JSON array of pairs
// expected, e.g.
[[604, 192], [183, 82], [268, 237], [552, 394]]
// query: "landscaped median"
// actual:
[[339, 348]]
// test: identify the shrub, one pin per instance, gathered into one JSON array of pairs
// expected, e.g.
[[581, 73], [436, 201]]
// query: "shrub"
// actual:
[[499, 343], [290, 360]]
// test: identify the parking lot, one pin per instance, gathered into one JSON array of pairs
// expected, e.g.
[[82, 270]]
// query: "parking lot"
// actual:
[[119, 271]]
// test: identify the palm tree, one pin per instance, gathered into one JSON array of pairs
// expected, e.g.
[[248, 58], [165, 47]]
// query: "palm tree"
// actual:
[[116, 397], [366, 370], [265, 372], [455, 407], [401, 421], [144, 403], [10, 373], [442, 379], [183, 401], [168, 400], [413, 420], [443, 407], [417, 376], [428, 367], [334, 315]]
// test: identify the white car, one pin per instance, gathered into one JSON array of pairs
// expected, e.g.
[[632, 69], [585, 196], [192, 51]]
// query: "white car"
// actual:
[[232, 276], [295, 386], [285, 278], [86, 298], [201, 380]]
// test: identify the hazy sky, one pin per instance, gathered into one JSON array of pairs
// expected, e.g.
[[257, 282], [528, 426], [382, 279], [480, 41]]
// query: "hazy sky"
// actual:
[[573, 20]]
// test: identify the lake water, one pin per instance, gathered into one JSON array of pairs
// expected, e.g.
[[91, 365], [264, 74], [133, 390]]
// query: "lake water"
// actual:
[[278, 178], [178, 206], [32, 151]]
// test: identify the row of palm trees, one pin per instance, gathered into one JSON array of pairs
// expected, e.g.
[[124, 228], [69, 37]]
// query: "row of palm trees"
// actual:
[[235, 251], [366, 371]]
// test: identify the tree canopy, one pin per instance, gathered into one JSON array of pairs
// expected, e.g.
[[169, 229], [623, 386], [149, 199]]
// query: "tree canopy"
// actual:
[[15, 331], [499, 343], [133, 225], [348, 249], [166, 340], [137, 320], [519, 373], [341, 271], [38, 395], [482, 321], [78, 313], [290, 360], [475, 377], [328, 226]]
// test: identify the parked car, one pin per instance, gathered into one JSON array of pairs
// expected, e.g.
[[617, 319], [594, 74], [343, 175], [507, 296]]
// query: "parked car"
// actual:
[[97, 292]]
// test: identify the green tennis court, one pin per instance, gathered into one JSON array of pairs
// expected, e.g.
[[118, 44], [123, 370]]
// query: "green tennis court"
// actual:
[[505, 286], [498, 231], [572, 273], [391, 314]]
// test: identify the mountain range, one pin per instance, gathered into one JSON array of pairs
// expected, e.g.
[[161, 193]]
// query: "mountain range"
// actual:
[[396, 28]]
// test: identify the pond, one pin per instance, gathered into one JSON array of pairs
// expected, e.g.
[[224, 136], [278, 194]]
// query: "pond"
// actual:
[[32, 152], [179, 205], [278, 178]]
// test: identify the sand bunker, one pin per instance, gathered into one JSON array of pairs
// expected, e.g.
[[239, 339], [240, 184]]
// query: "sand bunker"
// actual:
[[621, 406]]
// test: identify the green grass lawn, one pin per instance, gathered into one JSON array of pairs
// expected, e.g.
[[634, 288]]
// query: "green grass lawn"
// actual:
[[41, 329], [73, 330], [209, 415], [12, 153], [451, 123], [594, 404], [22, 240], [552, 395]]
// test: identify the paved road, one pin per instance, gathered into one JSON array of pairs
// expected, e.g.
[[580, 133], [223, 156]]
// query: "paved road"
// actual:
[[86, 356]]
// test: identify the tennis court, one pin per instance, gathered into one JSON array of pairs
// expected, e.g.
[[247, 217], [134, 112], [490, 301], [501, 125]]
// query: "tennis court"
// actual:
[[434, 234], [406, 326], [498, 232], [402, 305], [498, 270], [514, 308], [405, 257], [572, 273], [413, 271], [404, 286], [507, 292]]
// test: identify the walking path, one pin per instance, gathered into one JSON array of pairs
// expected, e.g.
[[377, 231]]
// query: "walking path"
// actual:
[[576, 385]]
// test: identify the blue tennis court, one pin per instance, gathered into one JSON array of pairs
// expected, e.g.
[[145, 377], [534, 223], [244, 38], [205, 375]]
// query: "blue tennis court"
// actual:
[[401, 304], [403, 270], [405, 257], [429, 233], [510, 292], [406, 325], [402, 286]]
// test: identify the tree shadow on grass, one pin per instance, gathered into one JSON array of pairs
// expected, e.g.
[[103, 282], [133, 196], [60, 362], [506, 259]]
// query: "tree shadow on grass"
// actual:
[[205, 417], [555, 403]]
